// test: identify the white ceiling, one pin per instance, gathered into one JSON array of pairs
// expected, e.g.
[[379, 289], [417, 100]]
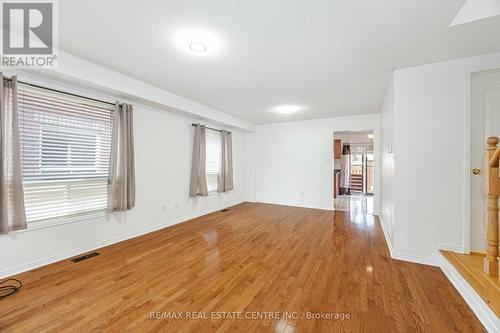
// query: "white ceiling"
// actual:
[[475, 10], [354, 137], [332, 56]]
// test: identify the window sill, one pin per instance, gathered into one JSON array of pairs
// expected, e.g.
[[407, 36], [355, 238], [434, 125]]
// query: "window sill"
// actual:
[[214, 192], [63, 220]]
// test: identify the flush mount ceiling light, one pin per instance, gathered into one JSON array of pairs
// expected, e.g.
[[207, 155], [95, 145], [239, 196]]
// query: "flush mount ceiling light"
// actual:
[[197, 42], [287, 109], [198, 47], [370, 136]]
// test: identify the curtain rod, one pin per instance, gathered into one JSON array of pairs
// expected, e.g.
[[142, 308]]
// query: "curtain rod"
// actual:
[[60, 91], [211, 128]]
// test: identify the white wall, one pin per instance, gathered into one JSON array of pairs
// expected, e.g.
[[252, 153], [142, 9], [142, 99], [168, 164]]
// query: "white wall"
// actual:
[[387, 153], [294, 160], [431, 104], [250, 181], [163, 148]]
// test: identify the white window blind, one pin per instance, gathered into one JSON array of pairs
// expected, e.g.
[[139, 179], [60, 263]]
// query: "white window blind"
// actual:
[[213, 146], [65, 148]]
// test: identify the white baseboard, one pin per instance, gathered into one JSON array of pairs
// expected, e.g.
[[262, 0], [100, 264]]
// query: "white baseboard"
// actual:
[[405, 256], [388, 240], [485, 315], [451, 248], [74, 252], [322, 207]]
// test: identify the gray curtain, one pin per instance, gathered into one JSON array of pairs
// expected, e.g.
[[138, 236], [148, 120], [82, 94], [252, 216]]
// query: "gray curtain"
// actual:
[[121, 166], [225, 179], [12, 211], [198, 183]]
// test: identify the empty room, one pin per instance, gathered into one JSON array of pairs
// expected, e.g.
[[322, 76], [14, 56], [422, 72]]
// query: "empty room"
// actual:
[[249, 166]]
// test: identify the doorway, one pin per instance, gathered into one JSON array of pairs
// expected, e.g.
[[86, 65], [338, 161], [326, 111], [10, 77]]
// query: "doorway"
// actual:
[[484, 123], [353, 171]]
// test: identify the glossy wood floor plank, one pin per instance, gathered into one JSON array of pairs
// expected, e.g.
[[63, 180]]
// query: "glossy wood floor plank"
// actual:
[[254, 258]]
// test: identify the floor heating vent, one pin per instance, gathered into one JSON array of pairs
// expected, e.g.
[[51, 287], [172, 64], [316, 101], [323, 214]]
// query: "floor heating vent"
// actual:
[[225, 210], [85, 256]]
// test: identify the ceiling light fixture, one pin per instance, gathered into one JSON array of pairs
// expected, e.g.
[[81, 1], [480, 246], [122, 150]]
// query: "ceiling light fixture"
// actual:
[[198, 47], [287, 109], [197, 42], [370, 136]]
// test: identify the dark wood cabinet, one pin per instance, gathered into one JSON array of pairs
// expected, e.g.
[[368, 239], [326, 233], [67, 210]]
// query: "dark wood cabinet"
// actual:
[[337, 148], [337, 155]]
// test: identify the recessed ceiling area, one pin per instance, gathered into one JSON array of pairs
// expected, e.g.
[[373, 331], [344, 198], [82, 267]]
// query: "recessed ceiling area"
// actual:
[[334, 57], [475, 10]]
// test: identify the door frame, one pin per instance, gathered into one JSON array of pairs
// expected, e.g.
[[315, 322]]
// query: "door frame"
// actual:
[[377, 160], [467, 149]]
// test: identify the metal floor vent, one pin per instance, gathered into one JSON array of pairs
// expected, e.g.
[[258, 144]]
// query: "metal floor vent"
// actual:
[[85, 256], [225, 210]]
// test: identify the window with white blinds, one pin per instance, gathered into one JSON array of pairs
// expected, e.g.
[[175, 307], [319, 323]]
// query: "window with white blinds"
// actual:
[[213, 147], [65, 149]]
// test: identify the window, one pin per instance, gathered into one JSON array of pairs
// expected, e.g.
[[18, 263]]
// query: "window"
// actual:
[[65, 150], [213, 158]]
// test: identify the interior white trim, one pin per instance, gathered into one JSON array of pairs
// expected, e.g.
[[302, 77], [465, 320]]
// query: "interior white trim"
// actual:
[[405, 256], [452, 248], [467, 163], [485, 315], [68, 254], [321, 207], [377, 151], [388, 240], [467, 149]]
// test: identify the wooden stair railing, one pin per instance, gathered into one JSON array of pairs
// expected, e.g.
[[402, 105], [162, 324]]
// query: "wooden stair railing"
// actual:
[[491, 261]]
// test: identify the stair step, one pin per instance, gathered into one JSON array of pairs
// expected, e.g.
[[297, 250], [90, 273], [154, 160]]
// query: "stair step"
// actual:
[[470, 266]]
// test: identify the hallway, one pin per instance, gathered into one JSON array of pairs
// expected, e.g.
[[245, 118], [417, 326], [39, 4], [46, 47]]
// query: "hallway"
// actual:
[[355, 203]]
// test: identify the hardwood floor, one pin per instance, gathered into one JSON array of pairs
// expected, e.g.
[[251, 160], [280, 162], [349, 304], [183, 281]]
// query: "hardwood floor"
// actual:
[[357, 203], [253, 258]]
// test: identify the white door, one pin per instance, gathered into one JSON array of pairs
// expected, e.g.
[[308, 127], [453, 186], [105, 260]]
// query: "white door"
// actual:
[[485, 122]]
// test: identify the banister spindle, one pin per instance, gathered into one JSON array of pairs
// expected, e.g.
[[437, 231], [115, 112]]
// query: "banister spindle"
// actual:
[[493, 191]]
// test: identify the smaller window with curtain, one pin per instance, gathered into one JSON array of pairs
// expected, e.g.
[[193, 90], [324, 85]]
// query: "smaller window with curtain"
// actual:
[[212, 161]]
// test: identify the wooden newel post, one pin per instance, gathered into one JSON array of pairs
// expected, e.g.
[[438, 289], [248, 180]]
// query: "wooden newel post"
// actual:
[[493, 190]]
